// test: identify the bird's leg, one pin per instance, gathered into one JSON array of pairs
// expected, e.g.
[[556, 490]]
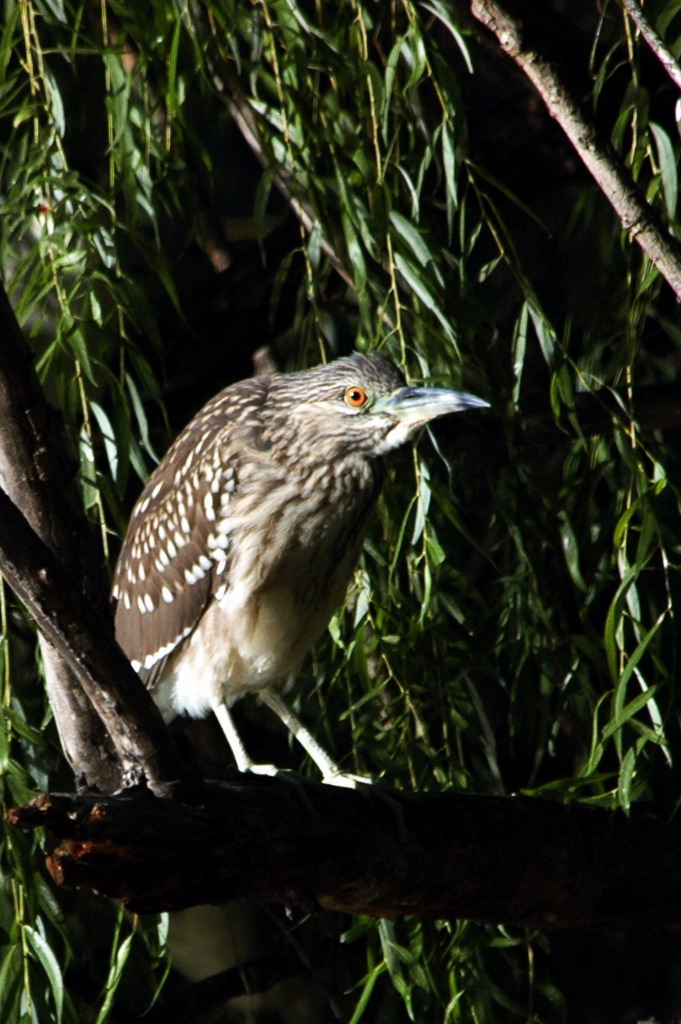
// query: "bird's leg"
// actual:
[[241, 757], [331, 773]]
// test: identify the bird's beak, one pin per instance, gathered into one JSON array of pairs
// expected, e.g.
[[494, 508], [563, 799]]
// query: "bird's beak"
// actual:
[[415, 406], [411, 408]]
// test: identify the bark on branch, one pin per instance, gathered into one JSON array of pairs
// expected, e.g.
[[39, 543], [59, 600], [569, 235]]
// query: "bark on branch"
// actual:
[[517, 860], [656, 44], [85, 641], [515, 25]]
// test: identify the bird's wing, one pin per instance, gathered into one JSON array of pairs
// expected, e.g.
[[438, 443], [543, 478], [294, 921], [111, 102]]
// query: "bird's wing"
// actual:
[[162, 583], [175, 552]]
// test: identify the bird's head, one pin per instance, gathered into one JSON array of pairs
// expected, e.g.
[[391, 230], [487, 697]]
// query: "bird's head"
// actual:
[[360, 404]]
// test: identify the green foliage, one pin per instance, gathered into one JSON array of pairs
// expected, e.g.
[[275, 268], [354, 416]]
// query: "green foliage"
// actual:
[[513, 624]]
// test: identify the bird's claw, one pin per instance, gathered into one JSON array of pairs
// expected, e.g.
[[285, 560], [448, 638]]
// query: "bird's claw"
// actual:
[[346, 781], [263, 769]]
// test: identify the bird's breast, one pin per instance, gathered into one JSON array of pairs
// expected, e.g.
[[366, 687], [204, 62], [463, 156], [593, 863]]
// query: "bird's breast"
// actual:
[[290, 565]]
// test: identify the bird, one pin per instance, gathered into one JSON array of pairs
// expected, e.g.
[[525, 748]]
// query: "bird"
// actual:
[[243, 542]]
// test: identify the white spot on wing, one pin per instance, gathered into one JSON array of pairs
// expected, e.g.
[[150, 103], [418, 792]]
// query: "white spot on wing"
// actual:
[[221, 539], [151, 659], [194, 574]]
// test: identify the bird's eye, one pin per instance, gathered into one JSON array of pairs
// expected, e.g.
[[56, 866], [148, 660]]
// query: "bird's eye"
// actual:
[[356, 397]]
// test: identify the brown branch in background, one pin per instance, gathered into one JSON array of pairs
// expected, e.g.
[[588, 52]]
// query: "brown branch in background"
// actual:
[[512, 23], [211, 233], [51, 558], [240, 109], [245, 119], [521, 861], [659, 48]]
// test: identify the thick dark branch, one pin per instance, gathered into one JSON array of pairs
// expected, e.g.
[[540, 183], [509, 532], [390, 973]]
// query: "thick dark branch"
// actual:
[[85, 640], [512, 859], [515, 25]]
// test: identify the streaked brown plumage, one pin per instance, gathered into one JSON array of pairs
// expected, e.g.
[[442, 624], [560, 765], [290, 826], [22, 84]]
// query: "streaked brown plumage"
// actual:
[[245, 537]]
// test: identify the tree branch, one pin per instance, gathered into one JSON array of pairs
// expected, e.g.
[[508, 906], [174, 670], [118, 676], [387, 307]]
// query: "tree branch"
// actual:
[[512, 23], [84, 639], [518, 860], [49, 556], [656, 44]]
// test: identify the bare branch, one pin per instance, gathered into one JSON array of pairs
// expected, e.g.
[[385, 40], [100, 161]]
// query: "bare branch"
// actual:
[[518, 860], [637, 217], [661, 51]]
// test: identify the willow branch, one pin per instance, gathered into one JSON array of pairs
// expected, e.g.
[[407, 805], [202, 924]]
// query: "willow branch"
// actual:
[[656, 44], [511, 22]]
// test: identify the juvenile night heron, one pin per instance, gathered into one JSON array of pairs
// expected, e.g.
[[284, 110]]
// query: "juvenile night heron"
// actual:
[[245, 537]]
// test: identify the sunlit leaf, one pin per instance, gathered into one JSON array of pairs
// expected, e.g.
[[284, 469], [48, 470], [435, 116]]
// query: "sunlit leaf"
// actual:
[[668, 167]]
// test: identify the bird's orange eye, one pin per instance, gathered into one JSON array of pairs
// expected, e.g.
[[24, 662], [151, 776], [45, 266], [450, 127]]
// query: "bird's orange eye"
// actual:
[[356, 397]]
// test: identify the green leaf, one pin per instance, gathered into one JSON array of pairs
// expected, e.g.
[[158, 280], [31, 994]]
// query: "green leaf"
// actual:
[[449, 165], [627, 711], [571, 551], [419, 286], [367, 990], [632, 665], [444, 13], [412, 237], [49, 964], [115, 975], [668, 168], [172, 96], [108, 436]]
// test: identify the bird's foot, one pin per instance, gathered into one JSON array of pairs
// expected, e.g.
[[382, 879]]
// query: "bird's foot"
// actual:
[[338, 778], [262, 769]]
